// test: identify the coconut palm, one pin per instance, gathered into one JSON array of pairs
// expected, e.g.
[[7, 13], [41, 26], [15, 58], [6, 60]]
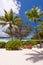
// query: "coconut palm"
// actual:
[[41, 27], [10, 19], [34, 14], [41, 24]]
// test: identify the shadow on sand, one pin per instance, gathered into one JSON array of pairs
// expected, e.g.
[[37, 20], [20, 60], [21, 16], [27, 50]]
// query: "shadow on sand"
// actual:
[[35, 57]]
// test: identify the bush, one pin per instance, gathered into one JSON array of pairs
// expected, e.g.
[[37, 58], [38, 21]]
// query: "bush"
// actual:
[[23, 43], [2, 44], [13, 45], [29, 42], [35, 42]]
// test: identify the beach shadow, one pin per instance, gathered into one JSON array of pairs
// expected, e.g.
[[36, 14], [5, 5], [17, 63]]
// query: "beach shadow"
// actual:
[[35, 57]]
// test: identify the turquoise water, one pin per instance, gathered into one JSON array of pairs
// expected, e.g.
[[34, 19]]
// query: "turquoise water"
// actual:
[[7, 39]]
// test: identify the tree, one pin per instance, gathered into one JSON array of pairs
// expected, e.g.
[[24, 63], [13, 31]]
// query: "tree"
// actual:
[[34, 14], [19, 31], [10, 19], [22, 32], [41, 27]]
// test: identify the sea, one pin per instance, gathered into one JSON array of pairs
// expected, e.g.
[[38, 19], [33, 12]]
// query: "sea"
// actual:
[[7, 39]]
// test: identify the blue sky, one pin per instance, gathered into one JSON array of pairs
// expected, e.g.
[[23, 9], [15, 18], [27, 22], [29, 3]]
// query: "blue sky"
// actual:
[[19, 7], [28, 4]]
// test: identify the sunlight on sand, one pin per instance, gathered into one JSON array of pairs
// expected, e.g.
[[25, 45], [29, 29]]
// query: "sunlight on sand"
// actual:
[[21, 57]]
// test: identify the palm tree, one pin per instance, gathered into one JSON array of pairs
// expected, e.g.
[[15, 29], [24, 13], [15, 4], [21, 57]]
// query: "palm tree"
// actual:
[[34, 14], [41, 27], [10, 19]]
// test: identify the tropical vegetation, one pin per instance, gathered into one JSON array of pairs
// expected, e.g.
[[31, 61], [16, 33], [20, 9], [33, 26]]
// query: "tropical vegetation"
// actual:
[[19, 30], [15, 28], [2, 44], [34, 14], [17, 44]]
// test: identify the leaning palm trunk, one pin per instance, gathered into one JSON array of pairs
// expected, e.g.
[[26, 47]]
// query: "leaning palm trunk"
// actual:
[[39, 38]]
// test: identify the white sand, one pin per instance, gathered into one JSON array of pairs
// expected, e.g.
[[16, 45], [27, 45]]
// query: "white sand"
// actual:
[[22, 57]]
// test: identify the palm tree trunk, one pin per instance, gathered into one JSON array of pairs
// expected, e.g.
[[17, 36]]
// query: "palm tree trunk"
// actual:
[[38, 34], [11, 31]]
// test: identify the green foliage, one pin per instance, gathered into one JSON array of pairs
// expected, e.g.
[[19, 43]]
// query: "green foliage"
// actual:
[[33, 13], [41, 34], [11, 15], [2, 44], [30, 42], [8, 15], [17, 44], [23, 43], [35, 42], [13, 45], [26, 43]]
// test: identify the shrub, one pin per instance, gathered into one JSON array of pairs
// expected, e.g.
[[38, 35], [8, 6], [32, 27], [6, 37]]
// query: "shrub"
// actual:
[[2, 44], [29, 42], [23, 43], [13, 45], [35, 42]]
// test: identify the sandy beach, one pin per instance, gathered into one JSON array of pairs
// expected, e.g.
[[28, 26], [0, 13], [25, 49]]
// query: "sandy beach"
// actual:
[[32, 56]]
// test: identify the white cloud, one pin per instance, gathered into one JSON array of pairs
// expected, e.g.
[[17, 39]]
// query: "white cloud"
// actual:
[[8, 4]]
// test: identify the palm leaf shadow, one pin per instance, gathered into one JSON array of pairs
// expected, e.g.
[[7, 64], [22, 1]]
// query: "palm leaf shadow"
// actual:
[[35, 57]]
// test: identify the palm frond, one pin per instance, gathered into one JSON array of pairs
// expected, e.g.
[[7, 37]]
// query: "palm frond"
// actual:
[[40, 20], [34, 13], [11, 15], [2, 18], [6, 15]]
